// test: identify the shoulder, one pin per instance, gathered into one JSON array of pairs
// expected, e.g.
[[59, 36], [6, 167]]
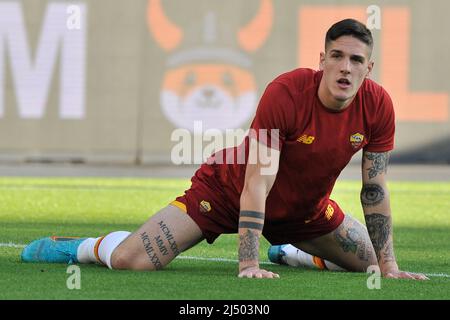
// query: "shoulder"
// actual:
[[298, 80], [376, 97]]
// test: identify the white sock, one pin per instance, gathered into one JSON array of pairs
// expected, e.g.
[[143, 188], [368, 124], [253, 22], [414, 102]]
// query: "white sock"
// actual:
[[99, 250], [85, 252], [298, 258]]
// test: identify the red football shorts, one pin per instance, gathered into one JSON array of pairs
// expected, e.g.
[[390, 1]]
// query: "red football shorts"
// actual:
[[207, 205]]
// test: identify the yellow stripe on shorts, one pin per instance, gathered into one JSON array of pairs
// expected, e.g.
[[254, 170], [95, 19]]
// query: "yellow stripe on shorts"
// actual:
[[179, 205]]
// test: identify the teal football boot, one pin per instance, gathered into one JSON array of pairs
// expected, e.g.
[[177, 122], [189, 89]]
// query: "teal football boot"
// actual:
[[52, 250], [275, 254]]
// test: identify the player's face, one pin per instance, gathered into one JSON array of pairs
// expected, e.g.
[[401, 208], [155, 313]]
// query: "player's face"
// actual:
[[345, 64]]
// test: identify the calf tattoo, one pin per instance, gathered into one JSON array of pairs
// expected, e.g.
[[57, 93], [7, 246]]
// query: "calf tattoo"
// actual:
[[379, 227], [371, 195], [248, 246], [379, 163]]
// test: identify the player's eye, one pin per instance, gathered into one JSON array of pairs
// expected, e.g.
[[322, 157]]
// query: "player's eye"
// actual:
[[357, 59]]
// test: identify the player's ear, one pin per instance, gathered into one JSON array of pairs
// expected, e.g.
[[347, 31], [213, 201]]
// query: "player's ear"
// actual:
[[321, 60], [369, 69]]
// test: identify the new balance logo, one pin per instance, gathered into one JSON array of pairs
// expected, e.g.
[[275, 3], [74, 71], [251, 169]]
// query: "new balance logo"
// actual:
[[306, 139]]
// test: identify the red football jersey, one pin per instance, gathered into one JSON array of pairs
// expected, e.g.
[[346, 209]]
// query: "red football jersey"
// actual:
[[316, 144]]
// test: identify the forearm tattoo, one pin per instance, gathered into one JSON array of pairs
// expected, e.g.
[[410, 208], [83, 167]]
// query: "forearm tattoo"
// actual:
[[371, 195], [379, 163], [252, 222], [248, 246], [252, 214], [379, 227], [251, 225], [352, 240]]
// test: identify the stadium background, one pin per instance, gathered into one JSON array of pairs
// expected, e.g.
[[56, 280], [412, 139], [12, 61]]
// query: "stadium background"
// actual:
[[108, 81]]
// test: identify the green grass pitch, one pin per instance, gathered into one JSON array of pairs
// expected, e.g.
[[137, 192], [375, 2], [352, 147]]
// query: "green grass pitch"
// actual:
[[31, 208]]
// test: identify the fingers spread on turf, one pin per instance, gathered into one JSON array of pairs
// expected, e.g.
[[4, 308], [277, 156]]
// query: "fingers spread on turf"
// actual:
[[420, 276], [416, 276], [258, 273], [269, 274], [406, 275]]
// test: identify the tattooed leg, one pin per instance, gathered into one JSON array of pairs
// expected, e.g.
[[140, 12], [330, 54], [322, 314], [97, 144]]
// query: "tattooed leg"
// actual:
[[251, 224], [348, 246], [158, 241]]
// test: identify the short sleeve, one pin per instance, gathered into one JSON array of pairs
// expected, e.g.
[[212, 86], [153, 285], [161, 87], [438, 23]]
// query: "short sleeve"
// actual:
[[382, 135], [275, 116]]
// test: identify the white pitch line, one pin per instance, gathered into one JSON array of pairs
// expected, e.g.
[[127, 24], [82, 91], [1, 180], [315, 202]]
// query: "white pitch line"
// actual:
[[14, 245], [442, 275], [217, 259]]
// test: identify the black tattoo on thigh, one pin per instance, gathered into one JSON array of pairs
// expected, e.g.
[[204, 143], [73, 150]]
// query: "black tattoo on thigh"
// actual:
[[379, 163], [248, 246], [379, 227], [371, 195], [150, 251], [351, 240], [162, 248], [169, 237]]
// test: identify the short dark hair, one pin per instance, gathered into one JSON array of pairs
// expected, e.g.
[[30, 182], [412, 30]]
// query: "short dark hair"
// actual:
[[349, 27]]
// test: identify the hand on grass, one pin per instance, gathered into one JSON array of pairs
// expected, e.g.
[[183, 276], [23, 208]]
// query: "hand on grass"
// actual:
[[405, 275], [255, 272]]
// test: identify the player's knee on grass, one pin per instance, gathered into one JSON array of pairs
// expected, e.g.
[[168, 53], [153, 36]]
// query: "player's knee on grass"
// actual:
[[359, 266], [354, 240], [348, 246], [165, 235], [125, 258], [122, 260]]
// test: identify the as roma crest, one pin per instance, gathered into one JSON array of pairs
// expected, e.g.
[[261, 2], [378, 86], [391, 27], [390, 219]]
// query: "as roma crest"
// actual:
[[356, 140]]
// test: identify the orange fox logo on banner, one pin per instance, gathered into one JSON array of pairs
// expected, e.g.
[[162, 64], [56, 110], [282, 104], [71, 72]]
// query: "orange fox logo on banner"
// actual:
[[209, 83]]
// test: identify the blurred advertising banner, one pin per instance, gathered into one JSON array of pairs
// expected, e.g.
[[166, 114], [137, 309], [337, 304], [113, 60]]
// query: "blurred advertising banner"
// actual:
[[112, 80]]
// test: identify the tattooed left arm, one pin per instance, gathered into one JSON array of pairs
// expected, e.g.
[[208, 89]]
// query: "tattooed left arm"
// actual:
[[377, 212]]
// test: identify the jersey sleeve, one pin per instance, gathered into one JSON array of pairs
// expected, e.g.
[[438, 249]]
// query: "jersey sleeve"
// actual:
[[382, 136], [275, 117]]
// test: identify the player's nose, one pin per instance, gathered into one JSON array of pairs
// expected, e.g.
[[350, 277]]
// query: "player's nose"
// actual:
[[345, 66]]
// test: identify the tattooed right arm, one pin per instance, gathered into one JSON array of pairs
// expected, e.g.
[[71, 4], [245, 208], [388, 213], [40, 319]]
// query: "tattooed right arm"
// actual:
[[376, 206], [379, 227], [251, 224], [252, 213]]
